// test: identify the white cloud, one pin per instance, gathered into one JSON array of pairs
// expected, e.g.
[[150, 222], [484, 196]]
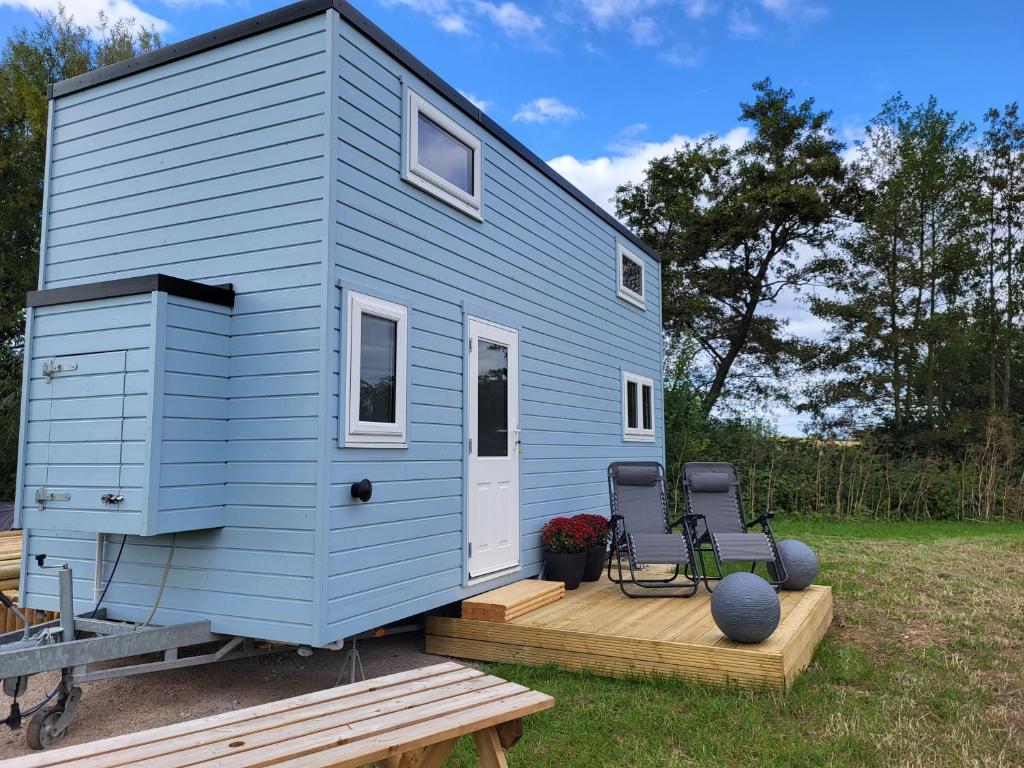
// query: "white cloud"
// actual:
[[88, 11], [512, 19], [453, 22], [742, 24], [193, 3], [545, 110], [681, 55], [695, 9], [603, 12], [482, 104], [643, 30], [454, 15], [599, 177], [791, 10]]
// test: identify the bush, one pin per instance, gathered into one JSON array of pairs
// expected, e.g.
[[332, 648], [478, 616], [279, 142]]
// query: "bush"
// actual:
[[565, 535], [599, 524]]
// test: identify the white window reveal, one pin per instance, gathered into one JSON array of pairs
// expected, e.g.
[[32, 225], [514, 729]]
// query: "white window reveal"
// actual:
[[631, 277], [377, 365], [637, 407], [442, 157]]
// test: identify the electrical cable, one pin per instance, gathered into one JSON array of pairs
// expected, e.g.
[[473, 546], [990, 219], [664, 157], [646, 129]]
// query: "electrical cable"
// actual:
[[103, 594], [163, 581]]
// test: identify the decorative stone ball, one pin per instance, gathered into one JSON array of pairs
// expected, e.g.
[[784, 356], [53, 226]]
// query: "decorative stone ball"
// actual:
[[800, 562], [745, 607]]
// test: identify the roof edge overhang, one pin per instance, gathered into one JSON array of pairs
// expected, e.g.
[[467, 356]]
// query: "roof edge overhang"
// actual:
[[303, 10]]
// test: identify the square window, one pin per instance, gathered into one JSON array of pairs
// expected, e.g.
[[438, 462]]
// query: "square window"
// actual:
[[441, 157], [631, 277], [376, 362], [637, 407]]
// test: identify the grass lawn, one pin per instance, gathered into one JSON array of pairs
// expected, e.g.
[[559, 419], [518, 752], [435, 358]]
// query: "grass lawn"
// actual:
[[922, 666]]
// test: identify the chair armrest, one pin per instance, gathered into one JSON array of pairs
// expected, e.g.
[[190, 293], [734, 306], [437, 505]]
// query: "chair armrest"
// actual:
[[763, 520], [689, 519]]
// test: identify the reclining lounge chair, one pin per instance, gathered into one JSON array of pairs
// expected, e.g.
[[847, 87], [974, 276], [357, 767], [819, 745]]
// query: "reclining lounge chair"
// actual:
[[716, 518], [642, 532]]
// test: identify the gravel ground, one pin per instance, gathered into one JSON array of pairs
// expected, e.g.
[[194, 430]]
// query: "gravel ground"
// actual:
[[114, 707]]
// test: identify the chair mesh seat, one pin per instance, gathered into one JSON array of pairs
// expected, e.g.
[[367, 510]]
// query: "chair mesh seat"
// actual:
[[740, 547], [658, 549]]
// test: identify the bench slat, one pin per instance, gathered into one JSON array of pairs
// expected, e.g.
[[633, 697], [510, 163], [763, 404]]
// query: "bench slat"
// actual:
[[306, 751], [330, 727], [58, 757], [450, 726], [185, 745]]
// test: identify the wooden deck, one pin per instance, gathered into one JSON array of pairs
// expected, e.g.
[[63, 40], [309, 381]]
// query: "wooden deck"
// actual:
[[596, 628]]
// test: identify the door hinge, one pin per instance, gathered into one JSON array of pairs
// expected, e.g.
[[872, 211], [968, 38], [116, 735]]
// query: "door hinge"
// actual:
[[470, 449], [470, 343], [43, 496], [51, 368], [470, 549]]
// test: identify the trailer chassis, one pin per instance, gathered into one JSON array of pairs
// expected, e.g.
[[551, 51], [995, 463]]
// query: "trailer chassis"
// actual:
[[75, 644]]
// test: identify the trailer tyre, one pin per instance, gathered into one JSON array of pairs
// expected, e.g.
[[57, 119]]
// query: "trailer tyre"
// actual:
[[42, 728]]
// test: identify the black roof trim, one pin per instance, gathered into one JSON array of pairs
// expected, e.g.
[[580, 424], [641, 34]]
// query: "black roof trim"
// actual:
[[303, 10], [223, 295]]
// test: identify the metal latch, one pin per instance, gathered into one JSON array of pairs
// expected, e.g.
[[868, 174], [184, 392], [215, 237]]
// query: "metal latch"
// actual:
[[112, 498], [51, 368], [43, 496]]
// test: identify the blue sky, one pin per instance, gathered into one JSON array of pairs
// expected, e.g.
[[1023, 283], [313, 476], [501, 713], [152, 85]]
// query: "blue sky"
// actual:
[[598, 87]]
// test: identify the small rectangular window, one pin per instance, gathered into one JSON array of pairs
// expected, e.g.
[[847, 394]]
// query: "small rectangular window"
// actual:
[[631, 420], [442, 157], [443, 154], [492, 399], [378, 360], [637, 407], [376, 366], [631, 277]]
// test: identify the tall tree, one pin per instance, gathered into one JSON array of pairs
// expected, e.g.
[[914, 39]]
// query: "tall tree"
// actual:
[[900, 309], [738, 230], [1003, 158], [56, 49]]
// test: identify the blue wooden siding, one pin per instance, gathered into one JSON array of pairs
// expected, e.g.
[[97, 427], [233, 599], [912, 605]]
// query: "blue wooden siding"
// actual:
[[191, 417], [210, 168], [273, 163], [85, 430], [539, 258]]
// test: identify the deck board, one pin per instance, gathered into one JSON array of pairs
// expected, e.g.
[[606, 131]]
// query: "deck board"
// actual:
[[596, 628]]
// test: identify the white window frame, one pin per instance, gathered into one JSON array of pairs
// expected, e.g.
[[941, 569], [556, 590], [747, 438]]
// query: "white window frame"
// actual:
[[636, 299], [426, 179], [638, 434], [369, 434]]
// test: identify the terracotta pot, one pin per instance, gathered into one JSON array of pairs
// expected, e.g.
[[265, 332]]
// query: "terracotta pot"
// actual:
[[595, 562], [565, 566]]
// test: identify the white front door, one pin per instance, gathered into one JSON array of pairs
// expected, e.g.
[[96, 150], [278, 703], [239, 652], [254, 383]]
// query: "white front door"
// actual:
[[493, 464]]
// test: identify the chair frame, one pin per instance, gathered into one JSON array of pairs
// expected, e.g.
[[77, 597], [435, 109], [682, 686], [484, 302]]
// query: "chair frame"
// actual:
[[620, 544], [704, 544]]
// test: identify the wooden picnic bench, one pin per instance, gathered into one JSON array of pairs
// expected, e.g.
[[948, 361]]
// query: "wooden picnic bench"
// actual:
[[408, 720]]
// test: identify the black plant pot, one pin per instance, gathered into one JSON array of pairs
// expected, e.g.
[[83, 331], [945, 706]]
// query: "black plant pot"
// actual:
[[595, 563], [565, 566]]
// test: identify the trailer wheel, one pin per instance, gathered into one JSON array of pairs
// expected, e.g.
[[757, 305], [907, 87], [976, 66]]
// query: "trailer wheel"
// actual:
[[42, 728]]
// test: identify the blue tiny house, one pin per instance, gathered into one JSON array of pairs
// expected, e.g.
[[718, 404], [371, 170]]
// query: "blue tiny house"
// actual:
[[285, 257]]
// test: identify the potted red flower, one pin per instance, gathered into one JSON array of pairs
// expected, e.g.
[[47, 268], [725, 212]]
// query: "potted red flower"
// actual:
[[565, 549], [595, 552]]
